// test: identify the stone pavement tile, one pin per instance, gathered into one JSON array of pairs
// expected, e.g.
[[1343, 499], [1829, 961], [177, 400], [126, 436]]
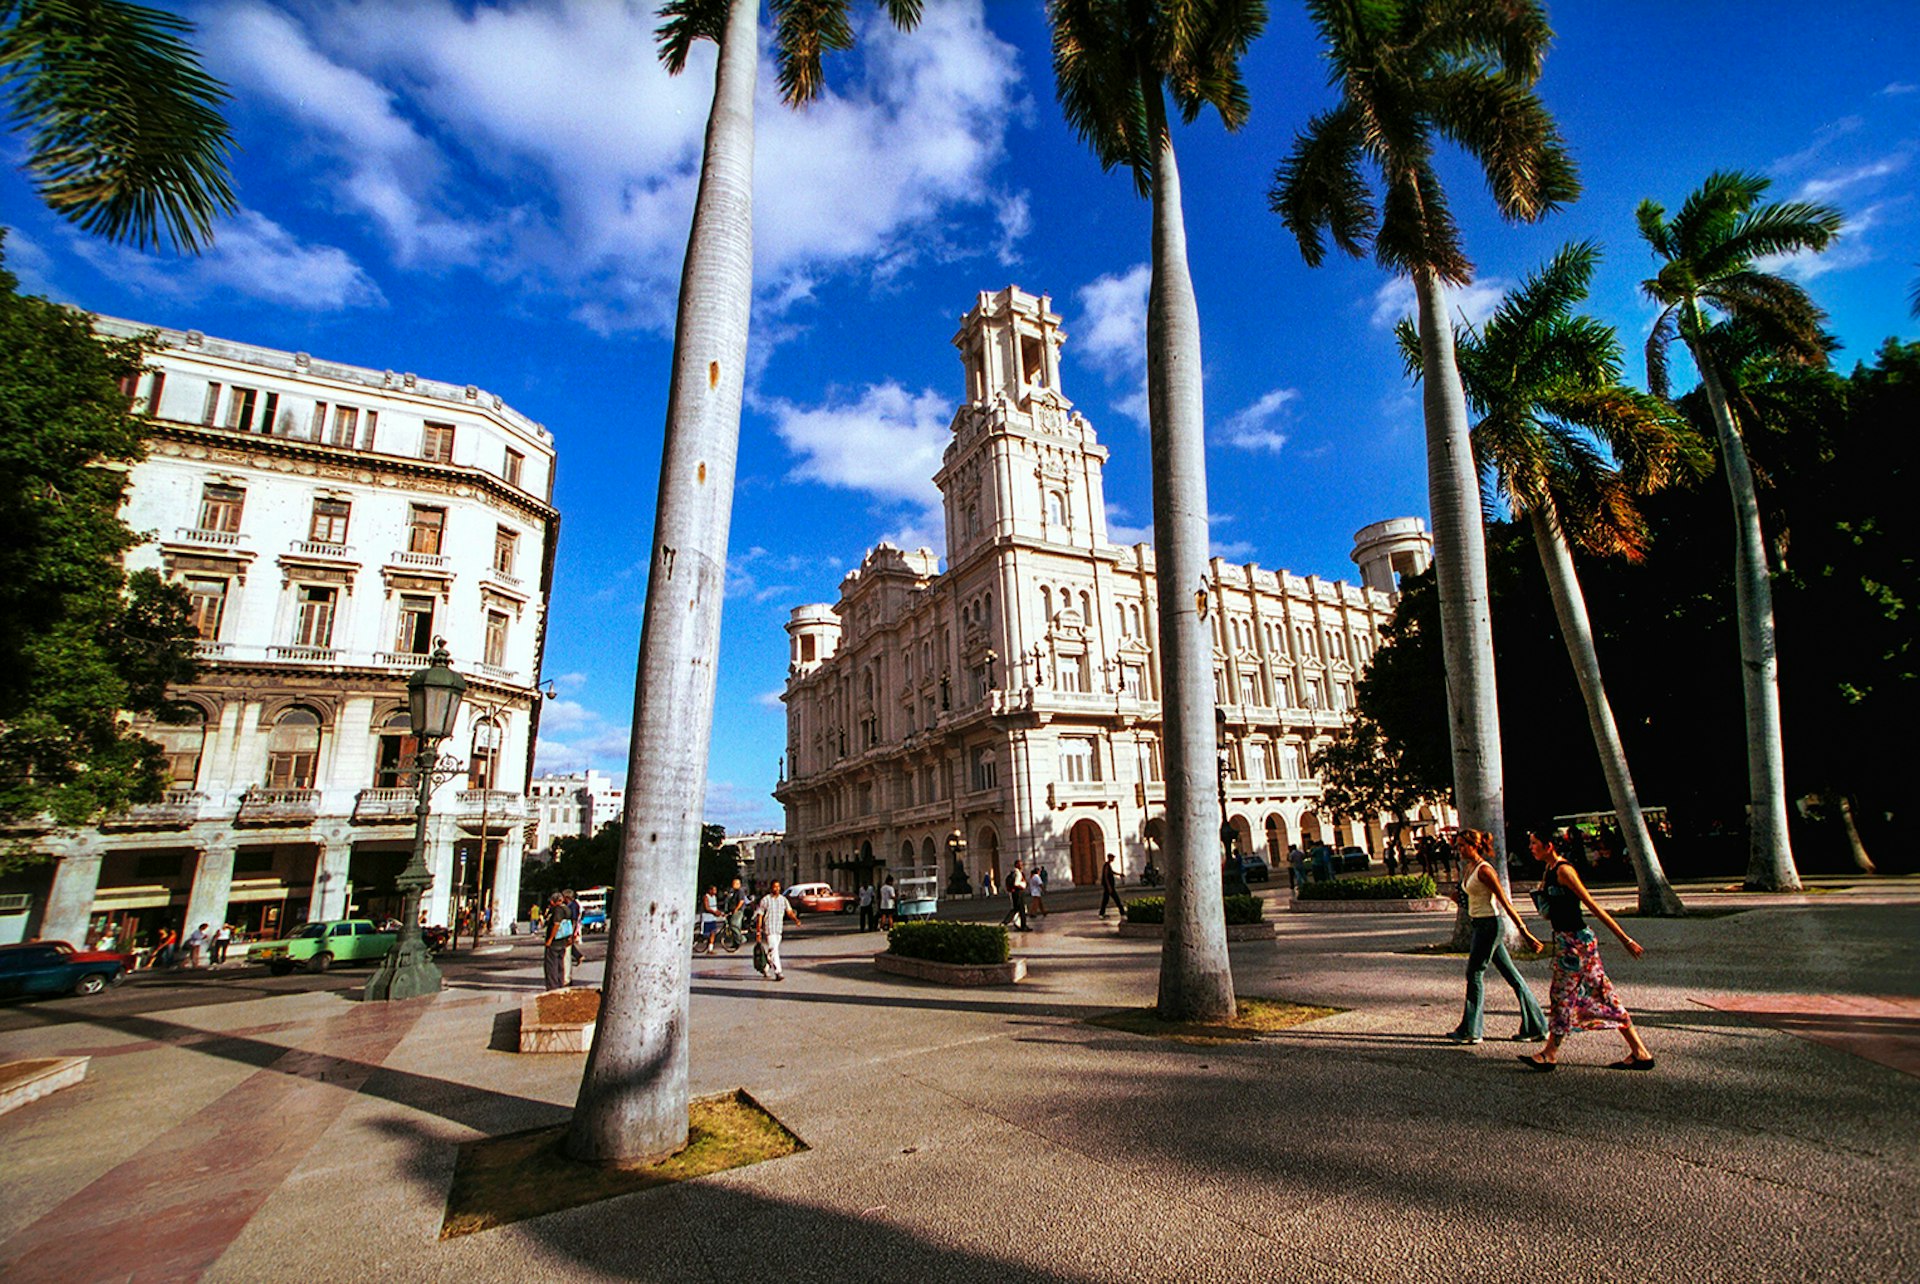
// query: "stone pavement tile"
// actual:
[[1881, 1028]]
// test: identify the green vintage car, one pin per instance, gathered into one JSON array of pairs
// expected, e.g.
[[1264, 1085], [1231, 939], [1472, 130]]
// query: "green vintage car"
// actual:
[[318, 946]]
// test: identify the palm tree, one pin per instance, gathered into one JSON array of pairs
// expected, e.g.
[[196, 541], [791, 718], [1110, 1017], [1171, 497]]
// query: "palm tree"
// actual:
[[123, 128], [1546, 384], [1708, 254], [1412, 72], [632, 1105], [1115, 62]]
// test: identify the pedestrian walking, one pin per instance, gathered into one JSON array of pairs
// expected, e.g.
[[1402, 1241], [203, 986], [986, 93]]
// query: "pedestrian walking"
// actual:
[[1297, 865], [1037, 891], [1110, 888], [1581, 996], [889, 898], [222, 938], [1016, 897], [769, 921], [166, 948], [197, 942], [866, 907], [989, 883], [1486, 901], [557, 958], [572, 911]]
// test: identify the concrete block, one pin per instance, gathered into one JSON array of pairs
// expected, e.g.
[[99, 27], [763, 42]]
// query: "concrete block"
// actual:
[[537, 1035], [1008, 973], [24, 1081]]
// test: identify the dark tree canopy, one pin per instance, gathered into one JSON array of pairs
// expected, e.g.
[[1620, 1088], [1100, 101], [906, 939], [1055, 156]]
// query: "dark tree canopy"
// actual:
[[82, 643]]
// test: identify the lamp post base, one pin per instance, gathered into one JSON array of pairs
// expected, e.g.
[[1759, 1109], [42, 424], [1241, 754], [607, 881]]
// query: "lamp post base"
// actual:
[[408, 972]]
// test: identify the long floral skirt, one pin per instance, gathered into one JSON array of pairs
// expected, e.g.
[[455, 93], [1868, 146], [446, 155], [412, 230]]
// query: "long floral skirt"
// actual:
[[1581, 996]]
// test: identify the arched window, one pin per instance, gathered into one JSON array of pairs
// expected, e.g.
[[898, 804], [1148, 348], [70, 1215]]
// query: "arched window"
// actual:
[[1056, 508], [393, 769], [293, 750], [484, 764], [1046, 605]]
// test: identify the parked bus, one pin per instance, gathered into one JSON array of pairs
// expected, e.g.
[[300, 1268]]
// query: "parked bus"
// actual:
[[593, 909]]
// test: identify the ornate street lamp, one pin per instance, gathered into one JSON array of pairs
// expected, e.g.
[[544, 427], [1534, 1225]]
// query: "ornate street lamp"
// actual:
[[1233, 877], [958, 883], [433, 702]]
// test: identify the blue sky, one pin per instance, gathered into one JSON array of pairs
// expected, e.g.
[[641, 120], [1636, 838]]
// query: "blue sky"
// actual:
[[499, 195]]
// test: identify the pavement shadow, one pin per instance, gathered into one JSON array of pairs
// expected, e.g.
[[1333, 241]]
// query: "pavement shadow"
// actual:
[[506, 1031]]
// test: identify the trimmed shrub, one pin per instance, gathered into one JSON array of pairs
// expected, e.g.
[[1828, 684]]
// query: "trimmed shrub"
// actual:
[[1153, 909], [1398, 887], [938, 941]]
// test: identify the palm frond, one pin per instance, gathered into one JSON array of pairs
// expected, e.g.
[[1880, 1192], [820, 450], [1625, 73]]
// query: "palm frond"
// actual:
[[1793, 228], [123, 127], [1713, 210], [1320, 187], [1503, 125], [1412, 359], [1666, 328], [1514, 36], [1651, 217], [804, 31], [1417, 231], [1201, 59], [1096, 73], [682, 23], [1781, 313]]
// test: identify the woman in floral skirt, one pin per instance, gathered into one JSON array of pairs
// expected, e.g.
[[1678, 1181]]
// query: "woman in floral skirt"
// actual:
[[1581, 997]]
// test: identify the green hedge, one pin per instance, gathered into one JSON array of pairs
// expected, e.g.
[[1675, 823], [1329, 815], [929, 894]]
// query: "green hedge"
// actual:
[[1153, 909], [1398, 887], [938, 941]]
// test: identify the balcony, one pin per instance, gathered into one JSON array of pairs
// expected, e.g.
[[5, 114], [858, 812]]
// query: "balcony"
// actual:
[[204, 649], [1064, 793], [497, 673], [177, 810], [497, 804], [304, 654], [499, 576], [310, 548], [401, 659], [262, 806], [421, 561], [383, 805], [201, 535]]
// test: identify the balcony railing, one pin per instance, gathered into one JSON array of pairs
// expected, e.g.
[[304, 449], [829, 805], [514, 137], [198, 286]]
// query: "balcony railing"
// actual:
[[498, 804], [261, 806], [315, 548], [201, 535], [424, 561], [401, 659], [499, 576], [206, 649], [498, 673], [178, 809], [385, 804], [304, 654]]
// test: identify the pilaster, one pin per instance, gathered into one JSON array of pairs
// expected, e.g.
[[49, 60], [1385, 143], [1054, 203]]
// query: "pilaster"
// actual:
[[70, 901], [212, 885]]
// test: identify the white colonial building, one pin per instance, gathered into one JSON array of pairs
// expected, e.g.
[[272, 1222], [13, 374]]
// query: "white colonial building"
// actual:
[[329, 522], [572, 804], [1011, 702]]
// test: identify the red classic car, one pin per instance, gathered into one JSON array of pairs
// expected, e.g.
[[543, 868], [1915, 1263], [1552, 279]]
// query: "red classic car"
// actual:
[[123, 957], [819, 898]]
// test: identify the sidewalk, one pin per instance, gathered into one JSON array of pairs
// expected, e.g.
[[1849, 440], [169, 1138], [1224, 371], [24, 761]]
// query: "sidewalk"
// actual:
[[990, 1135]]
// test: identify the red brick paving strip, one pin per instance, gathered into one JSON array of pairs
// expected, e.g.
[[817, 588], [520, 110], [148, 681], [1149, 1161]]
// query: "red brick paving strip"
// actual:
[[1880, 1028], [170, 1211]]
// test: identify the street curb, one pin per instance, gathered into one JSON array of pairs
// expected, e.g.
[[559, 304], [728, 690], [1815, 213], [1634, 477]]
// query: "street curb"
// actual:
[[1261, 931], [1008, 973], [1419, 905], [38, 1077]]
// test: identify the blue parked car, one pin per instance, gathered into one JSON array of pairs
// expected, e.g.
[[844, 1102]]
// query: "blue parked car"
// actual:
[[1253, 867], [45, 968]]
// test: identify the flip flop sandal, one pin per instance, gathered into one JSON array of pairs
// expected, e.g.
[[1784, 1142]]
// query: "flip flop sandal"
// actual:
[[1541, 1067], [1632, 1063]]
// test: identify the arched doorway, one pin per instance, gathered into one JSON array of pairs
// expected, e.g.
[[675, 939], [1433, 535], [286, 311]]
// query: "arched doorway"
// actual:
[[1276, 839], [1242, 834], [926, 850], [1309, 828], [986, 845], [906, 852], [1089, 850]]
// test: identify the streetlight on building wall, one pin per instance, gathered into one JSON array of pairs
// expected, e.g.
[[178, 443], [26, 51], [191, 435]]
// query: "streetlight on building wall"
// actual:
[[433, 703]]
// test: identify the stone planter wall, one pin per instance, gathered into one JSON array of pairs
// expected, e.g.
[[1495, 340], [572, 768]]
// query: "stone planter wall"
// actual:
[[552, 1036], [1007, 973], [1422, 905], [24, 1081], [1261, 931]]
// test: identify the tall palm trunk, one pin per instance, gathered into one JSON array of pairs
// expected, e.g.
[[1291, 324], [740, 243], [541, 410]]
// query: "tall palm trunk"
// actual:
[[1770, 858], [633, 1096], [1570, 608], [1460, 564], [1196, 980]]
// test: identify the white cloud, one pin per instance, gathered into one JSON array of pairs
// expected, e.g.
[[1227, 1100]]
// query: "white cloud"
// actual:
[[741, 810], [1823, 138], [1828, 186], [887, 444], [770, 699], [1234, 550], [1900, 87], [30, 264], [1252, 428], [1015, 218], [1120, 532], [546, 144], [1473, 302], [1851, 249], [252, 256], [1112, 335]]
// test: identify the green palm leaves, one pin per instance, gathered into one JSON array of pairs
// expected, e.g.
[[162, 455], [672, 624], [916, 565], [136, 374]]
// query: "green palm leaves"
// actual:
[[1113, 59], [804, 32], [1411, 72], [123, 128]]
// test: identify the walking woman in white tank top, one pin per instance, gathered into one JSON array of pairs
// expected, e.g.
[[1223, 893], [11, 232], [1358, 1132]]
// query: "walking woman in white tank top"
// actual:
[[1486, 900]]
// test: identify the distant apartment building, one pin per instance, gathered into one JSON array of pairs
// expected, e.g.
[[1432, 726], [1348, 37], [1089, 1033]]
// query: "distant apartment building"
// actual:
[[329, 523], [763, 854], [573, 804], [1012, 701]]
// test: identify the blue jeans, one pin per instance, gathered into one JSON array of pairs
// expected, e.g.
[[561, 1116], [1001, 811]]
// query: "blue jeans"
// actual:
[[1488, 947]]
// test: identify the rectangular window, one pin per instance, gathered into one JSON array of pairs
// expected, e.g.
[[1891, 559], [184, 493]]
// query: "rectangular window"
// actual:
[[212, 406], [313, 622], [986, 773], [1078, 762], [207, 606], [1290, 761], [346, 423], [154, 389], [240, 408], [329, 524], [269, 414], [1250, 689], [158, 865], [511, 466], [425, 526], [317, 426], [496, 651], [220, 507], [506, 546], [1153, 761], [1131, 680], [1071, 673], [394, 767], [416, 626], [486, 755], [367, 433], [436, 443], [255, 860]]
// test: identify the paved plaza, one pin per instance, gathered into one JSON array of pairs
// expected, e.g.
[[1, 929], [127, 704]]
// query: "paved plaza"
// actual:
[[233, 1128]]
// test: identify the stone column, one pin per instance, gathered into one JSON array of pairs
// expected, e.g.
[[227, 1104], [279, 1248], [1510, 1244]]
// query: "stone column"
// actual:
[[506, 878], [331, 864], [212, 884], [70, 901], [442, 835]]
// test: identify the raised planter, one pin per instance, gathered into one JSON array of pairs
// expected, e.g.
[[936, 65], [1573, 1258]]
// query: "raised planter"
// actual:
[[1418, 905], [24, 1081], [952, 973], [555, 1021], [1261, 931]]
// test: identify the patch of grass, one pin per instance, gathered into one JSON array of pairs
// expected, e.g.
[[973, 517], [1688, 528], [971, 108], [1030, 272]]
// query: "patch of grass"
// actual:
[[501, 1180], [1254, 1018]]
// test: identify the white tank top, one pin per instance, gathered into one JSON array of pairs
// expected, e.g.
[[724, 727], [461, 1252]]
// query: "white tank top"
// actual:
[[1479, 895]]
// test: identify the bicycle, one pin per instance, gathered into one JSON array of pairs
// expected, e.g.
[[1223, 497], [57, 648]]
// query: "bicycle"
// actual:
[[730, 937]]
